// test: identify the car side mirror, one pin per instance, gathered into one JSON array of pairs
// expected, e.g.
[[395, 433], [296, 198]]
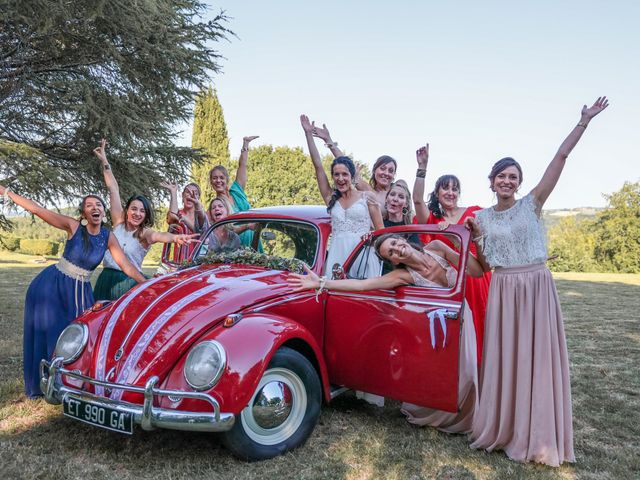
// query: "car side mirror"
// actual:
[[337, 272], [268, 236]]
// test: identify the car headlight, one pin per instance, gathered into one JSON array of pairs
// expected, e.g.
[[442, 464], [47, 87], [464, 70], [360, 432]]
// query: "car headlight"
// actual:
[[71, 342], [205, 364]]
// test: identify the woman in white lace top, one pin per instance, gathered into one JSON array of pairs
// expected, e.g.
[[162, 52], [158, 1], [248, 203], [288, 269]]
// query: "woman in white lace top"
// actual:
[[525, 393]]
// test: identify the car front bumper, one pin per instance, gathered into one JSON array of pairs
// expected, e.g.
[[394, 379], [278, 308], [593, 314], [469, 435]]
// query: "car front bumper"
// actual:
[[145, 415]]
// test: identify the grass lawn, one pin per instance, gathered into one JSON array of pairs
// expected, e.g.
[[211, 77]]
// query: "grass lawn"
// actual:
[[353, 440]]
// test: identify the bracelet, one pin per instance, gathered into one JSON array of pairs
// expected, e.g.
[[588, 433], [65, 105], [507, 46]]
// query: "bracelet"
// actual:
[[479, 241], [582, 124], [320, 289], [244, 149], [331, 144], [421, 173]]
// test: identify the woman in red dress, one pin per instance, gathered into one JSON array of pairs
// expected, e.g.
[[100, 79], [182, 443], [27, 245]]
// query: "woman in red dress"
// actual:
[[443, 210]]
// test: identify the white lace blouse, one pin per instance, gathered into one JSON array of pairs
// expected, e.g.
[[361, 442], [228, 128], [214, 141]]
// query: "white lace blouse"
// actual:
[[514, 236], [132, 248]]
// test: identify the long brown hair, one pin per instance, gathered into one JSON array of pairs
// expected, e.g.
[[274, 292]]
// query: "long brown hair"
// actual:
[[383, 160]]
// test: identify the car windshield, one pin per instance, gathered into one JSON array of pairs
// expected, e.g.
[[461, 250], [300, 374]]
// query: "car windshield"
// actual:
[[287, 239]]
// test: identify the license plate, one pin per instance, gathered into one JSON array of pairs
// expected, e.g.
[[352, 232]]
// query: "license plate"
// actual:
[[98, 415]]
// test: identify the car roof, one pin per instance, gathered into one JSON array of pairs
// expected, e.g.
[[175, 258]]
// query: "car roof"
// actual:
[[311, 213]]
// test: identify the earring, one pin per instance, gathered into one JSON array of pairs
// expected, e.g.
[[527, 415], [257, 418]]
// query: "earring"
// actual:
[[104, 219], [84, 222], [405, 210]]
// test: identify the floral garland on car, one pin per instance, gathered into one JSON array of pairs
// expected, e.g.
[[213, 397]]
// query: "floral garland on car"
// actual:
[[248, 256]]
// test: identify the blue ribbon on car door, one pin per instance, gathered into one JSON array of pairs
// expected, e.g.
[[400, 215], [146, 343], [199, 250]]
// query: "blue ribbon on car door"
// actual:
[[439, 313]]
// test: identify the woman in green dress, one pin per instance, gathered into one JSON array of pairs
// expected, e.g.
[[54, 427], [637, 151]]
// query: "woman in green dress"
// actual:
[[132, 228]]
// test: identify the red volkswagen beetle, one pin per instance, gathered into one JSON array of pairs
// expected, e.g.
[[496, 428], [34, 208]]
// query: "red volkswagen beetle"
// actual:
[[223, 345]]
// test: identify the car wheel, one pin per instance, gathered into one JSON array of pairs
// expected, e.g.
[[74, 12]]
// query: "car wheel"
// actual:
[[282, 411]]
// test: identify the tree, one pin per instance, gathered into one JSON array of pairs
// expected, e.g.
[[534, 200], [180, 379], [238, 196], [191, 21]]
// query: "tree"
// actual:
[[617, 230], [282, 176], [572, 243], [610, 242], [73, 72], [210, 138]]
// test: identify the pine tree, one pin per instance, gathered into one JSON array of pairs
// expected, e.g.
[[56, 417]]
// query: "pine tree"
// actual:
[[74, 72], [211, 139]]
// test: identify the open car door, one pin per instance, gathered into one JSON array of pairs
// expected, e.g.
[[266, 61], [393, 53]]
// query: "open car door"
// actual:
[[403, 343]]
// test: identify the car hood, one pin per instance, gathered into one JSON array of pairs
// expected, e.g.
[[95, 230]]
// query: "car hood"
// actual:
[[147, 330]]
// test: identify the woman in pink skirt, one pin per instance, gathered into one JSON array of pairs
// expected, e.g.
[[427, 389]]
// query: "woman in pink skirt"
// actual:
[[525, 393]]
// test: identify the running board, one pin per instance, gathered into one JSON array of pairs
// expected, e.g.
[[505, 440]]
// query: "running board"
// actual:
[[337, 390]]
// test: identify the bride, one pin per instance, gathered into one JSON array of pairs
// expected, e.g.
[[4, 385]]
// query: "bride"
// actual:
[[429, 267]]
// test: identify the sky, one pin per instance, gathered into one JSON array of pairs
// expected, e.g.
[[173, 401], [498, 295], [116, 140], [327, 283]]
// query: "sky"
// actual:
[[476, 80]]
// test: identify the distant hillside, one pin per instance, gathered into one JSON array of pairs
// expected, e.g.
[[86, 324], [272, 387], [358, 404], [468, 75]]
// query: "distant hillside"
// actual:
[[551, 217]]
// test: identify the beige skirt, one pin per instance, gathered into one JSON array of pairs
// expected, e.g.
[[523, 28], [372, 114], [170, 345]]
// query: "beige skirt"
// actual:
[[461, 421], [525, 393]]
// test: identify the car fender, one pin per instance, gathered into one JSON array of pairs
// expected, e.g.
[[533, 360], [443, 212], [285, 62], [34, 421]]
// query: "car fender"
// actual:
[[249, 345]]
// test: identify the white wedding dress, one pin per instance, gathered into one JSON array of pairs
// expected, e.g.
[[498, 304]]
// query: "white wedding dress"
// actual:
[[347, 228]]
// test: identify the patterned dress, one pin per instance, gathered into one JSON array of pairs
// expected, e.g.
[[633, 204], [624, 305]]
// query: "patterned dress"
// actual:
[[55, 297]]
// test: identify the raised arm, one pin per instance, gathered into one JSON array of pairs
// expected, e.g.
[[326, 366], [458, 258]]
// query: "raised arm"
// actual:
[[199, 213], [117, 213], [172, 215], [422, 212], [321, 176], [393, 279], [151, 236], [54, 219], [241, 173], [374, 210], [474, 268], [325, 136], [122, 260], [551, 175]]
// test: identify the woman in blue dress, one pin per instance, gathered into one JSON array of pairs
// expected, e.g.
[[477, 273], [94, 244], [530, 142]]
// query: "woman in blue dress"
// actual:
[[62, 292], [235, 195]]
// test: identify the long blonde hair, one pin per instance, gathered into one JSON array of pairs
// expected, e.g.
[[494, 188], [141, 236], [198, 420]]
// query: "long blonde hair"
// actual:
[[407, 218]]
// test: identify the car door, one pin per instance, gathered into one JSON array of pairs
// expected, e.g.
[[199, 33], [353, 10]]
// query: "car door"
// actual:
[[403, 343]]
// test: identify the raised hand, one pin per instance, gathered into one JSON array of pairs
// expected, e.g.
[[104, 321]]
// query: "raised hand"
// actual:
[[422, 156], [184, 239], [171, 187], [321, 133], [193, 197], [247, 140], [598, 106], [303, 282], [306, 124], [100, 151]]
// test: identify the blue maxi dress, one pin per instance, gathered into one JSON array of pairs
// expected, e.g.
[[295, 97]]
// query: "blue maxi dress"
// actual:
[[55, 298]]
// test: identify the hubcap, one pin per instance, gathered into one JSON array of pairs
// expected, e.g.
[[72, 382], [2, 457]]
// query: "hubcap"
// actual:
[[272, 405], [277, 409]]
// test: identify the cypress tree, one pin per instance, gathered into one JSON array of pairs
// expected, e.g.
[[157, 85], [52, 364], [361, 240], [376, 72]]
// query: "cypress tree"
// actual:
[[211, 140]]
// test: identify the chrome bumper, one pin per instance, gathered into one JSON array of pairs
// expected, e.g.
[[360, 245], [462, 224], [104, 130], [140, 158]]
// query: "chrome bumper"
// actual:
[[145, 415]]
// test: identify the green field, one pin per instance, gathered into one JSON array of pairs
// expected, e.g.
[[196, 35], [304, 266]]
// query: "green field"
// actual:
[[353, 440]]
